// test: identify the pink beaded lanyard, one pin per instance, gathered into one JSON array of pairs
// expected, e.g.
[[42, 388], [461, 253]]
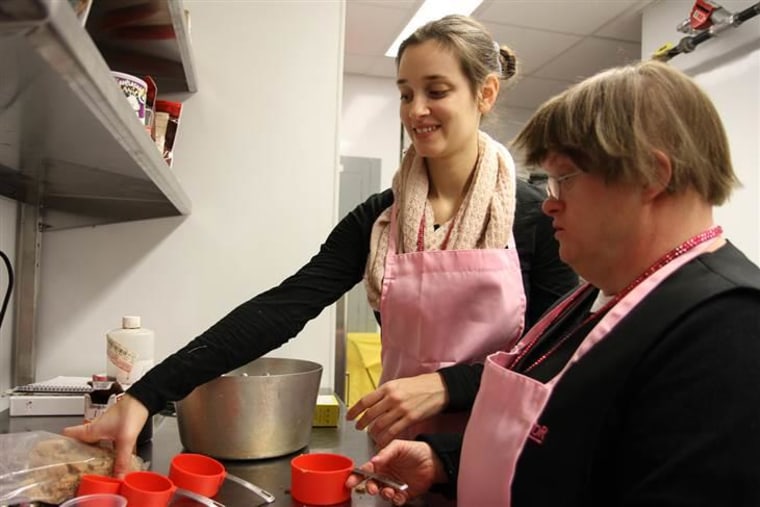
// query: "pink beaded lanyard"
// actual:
[[681, 249]]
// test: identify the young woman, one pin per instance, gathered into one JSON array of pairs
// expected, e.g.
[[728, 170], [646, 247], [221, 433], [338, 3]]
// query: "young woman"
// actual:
[[448, 255], [451, 291]]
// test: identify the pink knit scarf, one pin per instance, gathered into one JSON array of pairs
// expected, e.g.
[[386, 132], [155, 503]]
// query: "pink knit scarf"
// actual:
[[484, 219]]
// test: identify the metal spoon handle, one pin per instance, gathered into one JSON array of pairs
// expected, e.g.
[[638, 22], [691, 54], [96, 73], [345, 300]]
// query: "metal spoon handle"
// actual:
[[264, 494], [383, 479], [198, 498]]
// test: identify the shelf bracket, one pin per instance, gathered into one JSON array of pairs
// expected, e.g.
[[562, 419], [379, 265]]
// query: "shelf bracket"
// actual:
[[29, 240]]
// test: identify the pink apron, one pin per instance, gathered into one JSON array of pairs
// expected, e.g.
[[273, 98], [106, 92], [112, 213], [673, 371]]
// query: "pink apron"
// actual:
[[508, 404], [445, 307]]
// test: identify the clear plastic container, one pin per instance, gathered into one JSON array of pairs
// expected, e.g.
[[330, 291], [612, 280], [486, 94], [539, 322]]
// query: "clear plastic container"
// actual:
[[97, 500]]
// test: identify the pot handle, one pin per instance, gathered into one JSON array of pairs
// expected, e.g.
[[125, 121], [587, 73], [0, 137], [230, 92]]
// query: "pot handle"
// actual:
[[264, 494]]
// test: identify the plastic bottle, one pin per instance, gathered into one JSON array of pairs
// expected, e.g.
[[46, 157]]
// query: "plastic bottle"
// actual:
[[129, 350], [130, 356]]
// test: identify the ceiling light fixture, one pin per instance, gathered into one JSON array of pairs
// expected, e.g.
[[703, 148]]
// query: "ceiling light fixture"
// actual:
[[431, 10]]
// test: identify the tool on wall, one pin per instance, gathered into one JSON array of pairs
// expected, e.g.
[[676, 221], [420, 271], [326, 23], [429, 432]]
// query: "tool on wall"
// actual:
[[704, 14], [705, 21]]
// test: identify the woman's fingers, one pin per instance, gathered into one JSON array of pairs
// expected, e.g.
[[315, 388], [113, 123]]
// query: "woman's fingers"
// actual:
[[367, 401], [83, 432], [121, 424]]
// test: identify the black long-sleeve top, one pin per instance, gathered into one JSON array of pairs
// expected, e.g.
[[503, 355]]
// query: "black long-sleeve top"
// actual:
[[268, 320]]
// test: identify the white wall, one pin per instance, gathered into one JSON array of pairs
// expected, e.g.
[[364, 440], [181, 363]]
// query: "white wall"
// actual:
[[257, 154], [370, 125], [728, 69], [8, 246]]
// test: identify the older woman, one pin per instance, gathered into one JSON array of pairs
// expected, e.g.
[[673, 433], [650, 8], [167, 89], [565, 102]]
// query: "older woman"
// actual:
[[640, 388]]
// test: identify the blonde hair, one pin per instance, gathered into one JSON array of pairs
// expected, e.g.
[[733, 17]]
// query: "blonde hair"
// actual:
[[479, 55], [611, 124]]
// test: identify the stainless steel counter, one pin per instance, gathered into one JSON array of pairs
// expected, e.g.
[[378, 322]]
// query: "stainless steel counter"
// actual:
[[271, 474]]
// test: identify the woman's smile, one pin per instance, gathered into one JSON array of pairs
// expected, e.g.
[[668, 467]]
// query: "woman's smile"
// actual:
[[426, 130]]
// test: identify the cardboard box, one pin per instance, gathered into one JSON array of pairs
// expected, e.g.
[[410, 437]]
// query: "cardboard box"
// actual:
[[326, 412]]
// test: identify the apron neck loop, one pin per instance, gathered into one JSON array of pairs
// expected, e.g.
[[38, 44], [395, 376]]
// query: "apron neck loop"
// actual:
[[663, 261]]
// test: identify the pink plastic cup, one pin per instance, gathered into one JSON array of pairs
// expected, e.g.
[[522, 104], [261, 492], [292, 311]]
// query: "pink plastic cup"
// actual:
[[90, 484], [147, 489], [197, 473], [320, 479]]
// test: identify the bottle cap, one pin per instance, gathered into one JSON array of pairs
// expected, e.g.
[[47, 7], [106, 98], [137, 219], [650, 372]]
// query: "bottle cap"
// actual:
[[130, 322]]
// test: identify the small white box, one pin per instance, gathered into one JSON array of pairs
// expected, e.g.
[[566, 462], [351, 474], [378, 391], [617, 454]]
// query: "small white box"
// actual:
[[46, 404]]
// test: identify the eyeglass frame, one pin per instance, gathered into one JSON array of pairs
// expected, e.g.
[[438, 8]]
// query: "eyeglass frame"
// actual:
[[555, 183]]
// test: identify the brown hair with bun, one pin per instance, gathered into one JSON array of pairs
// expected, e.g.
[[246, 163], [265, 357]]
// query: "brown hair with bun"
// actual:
[[479, 55]]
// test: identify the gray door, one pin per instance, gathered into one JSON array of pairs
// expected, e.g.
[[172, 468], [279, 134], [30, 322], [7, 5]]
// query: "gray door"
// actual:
[[359, 178]]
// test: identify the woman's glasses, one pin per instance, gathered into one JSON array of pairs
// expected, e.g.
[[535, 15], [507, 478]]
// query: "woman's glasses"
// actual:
[[554, 184]]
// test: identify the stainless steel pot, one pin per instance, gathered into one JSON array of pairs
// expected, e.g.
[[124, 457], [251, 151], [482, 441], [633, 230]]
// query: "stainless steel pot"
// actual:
[[261, 410]]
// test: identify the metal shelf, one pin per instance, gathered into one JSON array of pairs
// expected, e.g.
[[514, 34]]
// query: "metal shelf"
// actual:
[[72, 151], [69, 142]]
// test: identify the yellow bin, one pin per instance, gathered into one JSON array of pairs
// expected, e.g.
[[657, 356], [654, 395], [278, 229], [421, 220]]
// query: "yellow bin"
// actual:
[[362, 364]]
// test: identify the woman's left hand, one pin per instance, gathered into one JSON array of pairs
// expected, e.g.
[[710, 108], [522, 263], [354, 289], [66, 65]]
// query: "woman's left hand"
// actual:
[[399, 403], [414, 463]]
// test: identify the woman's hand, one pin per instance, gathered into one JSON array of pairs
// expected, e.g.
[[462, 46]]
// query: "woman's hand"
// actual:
[[397, 404], [121, 423], [406, 461]]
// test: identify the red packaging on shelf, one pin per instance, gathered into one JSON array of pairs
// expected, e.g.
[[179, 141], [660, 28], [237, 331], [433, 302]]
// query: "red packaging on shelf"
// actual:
[[175, 110]]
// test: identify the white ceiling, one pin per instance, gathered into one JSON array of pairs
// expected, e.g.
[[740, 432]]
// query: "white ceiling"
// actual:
[[557, 42]]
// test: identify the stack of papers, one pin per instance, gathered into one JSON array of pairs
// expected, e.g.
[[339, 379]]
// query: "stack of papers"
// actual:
[[64, 385]]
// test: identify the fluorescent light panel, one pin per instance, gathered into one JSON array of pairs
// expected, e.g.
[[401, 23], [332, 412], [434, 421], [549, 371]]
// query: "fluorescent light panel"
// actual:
[[431, 10]]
